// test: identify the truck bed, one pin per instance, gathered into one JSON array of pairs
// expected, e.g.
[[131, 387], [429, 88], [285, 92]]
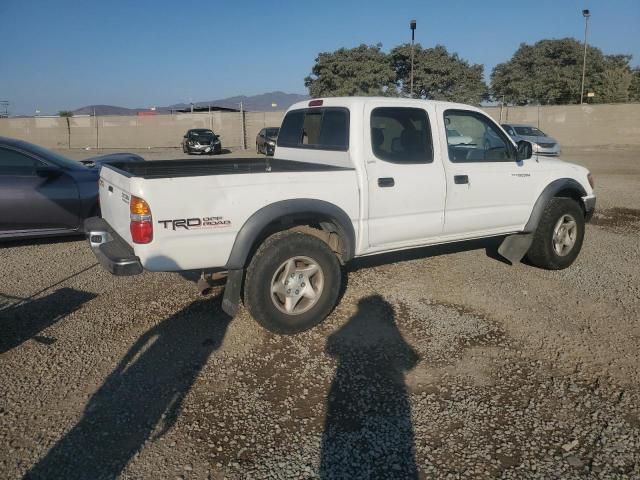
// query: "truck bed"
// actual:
[[195, 168]]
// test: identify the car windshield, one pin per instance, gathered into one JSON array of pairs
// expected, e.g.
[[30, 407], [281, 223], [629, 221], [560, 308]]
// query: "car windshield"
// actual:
[[529, 132], [272, 132], [201, 134]]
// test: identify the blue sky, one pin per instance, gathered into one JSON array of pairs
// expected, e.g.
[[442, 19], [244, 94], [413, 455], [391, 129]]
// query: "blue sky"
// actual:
[[60, 54]]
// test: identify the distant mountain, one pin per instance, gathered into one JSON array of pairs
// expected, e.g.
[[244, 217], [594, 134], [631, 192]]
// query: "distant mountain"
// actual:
[[101, 110], [255, 103]]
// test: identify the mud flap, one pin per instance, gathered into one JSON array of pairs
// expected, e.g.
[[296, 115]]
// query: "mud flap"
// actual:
[[514, 247], [231, 299]]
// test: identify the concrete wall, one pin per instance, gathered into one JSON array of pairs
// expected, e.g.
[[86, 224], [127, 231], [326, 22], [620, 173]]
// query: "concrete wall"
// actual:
[[579, 125], [572, 125]]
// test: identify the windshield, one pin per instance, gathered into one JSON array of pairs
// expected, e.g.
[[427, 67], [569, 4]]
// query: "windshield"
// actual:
[[272, 132], [529, 132], [201, 134]]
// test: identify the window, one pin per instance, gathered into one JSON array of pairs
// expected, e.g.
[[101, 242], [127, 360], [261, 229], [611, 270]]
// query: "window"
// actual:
[[318, 128], [401, 135], [17, 164], [472, 137], [508, 129], [530, 132]]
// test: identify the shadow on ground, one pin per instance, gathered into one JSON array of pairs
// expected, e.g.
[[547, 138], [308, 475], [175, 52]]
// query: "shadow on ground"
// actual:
[[141, 399], [368, 430], [22, 321]]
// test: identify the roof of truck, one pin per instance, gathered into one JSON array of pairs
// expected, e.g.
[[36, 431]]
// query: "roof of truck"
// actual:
[[351, 102]]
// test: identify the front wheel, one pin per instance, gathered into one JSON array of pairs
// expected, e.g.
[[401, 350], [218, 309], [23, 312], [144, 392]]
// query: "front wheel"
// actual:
[[292, 283], [558, 239]]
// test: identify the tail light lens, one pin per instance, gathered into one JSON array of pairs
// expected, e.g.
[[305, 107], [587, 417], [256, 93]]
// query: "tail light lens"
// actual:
[[141, 225]]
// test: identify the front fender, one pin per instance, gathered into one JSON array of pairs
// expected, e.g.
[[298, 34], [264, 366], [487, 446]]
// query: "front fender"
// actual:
[[550, 191]]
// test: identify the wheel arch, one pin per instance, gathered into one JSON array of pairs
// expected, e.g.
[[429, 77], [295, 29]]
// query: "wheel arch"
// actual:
[[287, 214], [562, 187]]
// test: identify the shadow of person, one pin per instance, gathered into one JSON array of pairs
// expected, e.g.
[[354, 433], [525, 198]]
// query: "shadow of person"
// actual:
[[368, 431], [140, 399], [25, 321]]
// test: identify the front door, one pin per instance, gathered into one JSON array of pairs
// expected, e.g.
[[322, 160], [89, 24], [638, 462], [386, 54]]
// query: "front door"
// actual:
[[406, 186], [488, 191], [34, 198]]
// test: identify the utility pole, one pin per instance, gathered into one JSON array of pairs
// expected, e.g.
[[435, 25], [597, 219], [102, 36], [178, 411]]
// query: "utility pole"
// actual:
[[586, 14], [412, 25], [243, 140]]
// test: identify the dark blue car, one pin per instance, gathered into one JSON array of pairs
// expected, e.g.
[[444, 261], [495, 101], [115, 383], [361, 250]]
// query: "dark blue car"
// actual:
[[43, 193]]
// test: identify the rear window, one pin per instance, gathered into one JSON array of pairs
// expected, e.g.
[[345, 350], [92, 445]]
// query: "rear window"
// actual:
[[317, 128]]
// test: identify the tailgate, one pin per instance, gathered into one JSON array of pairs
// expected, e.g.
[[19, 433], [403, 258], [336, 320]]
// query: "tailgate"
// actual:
[[114, 200]]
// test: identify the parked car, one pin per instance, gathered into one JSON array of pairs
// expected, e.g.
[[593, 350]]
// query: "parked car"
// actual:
[[43, 193], [542, 143], [201, 140], [266, 140], [353, 177]]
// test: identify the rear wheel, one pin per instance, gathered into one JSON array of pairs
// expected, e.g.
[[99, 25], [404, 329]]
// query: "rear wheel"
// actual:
[[292, 283], [558, 239]]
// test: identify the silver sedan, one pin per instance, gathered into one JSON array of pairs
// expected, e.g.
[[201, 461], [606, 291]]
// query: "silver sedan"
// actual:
[[542, 143]]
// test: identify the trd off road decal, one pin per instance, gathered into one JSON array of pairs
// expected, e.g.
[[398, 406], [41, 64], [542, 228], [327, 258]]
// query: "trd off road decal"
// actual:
[[195, 223]]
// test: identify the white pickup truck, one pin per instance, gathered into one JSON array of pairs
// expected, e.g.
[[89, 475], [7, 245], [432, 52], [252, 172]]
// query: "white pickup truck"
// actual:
[[351, 177]]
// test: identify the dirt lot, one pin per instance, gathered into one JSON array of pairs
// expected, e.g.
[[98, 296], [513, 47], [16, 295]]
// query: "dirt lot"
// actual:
[[443, 362]]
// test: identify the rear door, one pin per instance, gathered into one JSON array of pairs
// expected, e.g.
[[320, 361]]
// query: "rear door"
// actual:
[[406, 186], [34, 197], [488, 191]]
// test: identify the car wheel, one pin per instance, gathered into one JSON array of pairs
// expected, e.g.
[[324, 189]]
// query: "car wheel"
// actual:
[[558, 239], [257, 148], [184, 148], [292, 283]]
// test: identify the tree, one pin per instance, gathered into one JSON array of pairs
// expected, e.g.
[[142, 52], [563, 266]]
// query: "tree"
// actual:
[[67, 114], [438, 74], [550, 72], [363, 70], [634, 87]]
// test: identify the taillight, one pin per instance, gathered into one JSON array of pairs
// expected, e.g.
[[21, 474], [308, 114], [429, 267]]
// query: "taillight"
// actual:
[[141, 225], [315, 103]]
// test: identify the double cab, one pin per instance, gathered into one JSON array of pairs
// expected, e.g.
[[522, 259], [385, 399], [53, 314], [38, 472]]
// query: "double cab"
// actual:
[[350, 177]]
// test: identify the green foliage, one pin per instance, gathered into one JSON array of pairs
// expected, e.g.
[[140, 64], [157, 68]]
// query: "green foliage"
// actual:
[[634, 87], [438, 75], [550, 72], [65, 113], [364, 70]]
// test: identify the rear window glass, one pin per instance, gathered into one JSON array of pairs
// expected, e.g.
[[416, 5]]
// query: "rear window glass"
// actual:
[[317, 128], [401, 135]]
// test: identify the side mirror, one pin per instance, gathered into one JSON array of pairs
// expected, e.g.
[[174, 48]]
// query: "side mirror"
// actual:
[[48, 171], [525, 150]]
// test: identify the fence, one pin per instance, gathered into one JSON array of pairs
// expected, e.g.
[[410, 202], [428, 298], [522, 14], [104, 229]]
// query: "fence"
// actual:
[[124, 132], [571, 125]]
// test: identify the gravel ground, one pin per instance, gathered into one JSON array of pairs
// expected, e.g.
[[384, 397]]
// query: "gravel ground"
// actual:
[[442, 362]]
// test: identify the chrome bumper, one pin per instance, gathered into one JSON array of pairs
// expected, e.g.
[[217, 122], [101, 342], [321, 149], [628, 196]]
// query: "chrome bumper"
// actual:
[[113, 253]]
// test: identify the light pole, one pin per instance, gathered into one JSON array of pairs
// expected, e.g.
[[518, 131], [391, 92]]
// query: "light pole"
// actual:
[[586, 14], [412, 25]]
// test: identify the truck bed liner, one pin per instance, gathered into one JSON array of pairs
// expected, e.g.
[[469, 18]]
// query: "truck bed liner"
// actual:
[[227, 166]]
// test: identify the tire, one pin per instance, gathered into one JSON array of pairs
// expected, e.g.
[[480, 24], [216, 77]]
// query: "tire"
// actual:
[[269, 268], [553, 247], [184, 148], [257, 148]]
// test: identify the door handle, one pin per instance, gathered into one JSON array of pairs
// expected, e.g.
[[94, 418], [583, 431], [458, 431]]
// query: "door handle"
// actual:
[[386, 182], [460, 179]]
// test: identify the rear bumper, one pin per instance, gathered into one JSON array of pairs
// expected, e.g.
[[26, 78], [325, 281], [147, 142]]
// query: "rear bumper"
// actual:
[[589, 203], [113, 253]]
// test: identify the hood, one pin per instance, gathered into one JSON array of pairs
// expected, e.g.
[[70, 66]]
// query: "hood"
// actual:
[[111, 158]]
